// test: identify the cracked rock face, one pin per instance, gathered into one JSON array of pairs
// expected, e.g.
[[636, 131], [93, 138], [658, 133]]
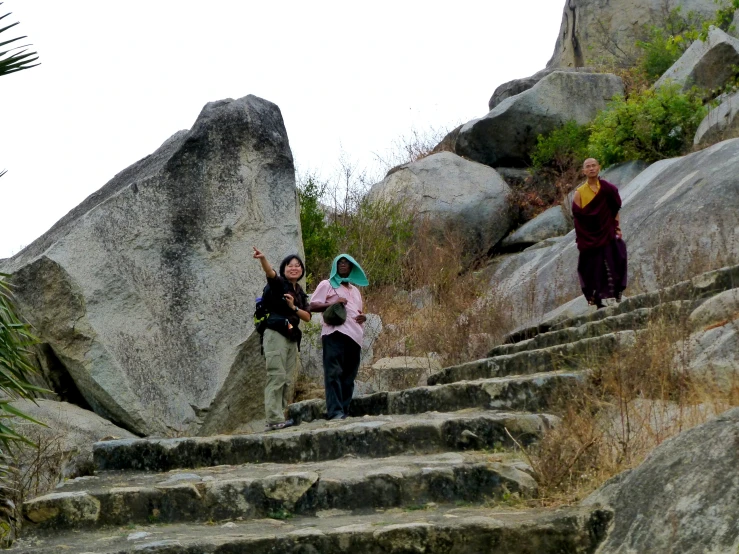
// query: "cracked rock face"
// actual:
[[145, 291], [594, 29]]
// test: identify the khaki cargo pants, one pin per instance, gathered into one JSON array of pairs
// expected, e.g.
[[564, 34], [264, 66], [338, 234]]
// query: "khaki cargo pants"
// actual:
[[282, 362]]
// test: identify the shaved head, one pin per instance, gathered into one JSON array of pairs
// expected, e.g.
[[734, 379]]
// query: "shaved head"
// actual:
[[590, 161]]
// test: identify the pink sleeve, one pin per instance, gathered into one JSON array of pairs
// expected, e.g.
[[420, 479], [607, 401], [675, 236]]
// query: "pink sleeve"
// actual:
[[321, 292]]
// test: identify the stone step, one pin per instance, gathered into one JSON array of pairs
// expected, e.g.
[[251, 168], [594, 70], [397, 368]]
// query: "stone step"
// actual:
[[697, 289], [529, 393], [570, 356], [633, 320], [429, 529], [258, 491], [370, 437]]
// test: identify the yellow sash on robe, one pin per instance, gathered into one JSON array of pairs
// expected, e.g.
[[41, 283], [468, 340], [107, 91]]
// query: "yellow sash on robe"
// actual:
[[586, 193]]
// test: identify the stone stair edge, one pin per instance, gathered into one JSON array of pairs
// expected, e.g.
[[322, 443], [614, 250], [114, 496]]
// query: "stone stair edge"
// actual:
[[385, 402], [430, 529], [238, 493], [619, 322], [482, 368], [371, 437], [698, 287]]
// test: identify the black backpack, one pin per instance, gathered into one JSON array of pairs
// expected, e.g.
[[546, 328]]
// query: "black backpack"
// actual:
[[261, 311]]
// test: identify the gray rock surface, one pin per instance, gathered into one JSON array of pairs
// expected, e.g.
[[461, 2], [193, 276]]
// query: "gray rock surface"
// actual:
[[691, 206], [720, 123], [683, 498], [712, 351], [707, 65], [452, 191], [402, 372], [145, 291], [65, 442], [594, 30], [550, 223], [517, 86], [506, 135], [622, 174]]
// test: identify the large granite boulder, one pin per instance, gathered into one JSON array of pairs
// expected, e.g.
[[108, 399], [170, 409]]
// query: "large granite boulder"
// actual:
[[550, 223], [683, 498], [145, 291], [679, 217], [594, 30], [720, 123], [708, 65], [517, 86], [506, 135], [448, 190]]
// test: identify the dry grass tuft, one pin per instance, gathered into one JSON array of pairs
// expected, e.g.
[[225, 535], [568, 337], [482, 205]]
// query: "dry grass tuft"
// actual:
[[633, 401]]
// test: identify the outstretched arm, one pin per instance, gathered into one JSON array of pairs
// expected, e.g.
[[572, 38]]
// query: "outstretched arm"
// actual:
[[268, 271]]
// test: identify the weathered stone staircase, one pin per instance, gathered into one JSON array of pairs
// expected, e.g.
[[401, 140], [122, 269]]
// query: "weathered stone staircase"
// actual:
[[429, 469]]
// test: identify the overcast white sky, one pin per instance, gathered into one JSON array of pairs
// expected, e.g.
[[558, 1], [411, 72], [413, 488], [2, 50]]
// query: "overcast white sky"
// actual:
[[118, 78]]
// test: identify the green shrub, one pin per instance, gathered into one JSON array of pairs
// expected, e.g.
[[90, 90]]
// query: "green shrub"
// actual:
[[320, 239], [649, 125], [561, 148], [660, 52], [378, 234]]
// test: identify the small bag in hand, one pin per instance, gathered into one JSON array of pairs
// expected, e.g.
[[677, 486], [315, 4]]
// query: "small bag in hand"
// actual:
[[335, 314]]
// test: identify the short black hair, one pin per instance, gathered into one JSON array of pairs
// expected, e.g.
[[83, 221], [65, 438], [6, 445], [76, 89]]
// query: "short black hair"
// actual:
[[287, 260]]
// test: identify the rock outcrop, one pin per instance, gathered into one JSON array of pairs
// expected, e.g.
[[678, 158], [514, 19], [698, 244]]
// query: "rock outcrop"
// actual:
[[145, 291], [708, 65], [720, 123], [517, 86], [683, 498], [592, 30], [551, 223], [506, 135], [689, 204], [450, 191], [712, 350], [64, 442]]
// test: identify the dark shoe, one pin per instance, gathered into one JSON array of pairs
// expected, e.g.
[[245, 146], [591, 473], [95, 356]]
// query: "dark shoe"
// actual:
[[281, 425]]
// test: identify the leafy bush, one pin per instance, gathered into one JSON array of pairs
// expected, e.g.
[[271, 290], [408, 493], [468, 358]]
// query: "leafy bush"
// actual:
[[378, 234], [649, 125], [319, 237], [561, 148], [660, 52]]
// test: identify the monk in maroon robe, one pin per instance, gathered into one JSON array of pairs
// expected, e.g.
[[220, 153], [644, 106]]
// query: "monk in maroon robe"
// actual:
[[602, 263]]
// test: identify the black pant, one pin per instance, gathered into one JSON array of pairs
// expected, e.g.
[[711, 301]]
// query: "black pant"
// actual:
[[340, 367]]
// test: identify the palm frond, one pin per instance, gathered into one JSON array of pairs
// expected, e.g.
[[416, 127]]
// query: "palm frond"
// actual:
[[17, 58]]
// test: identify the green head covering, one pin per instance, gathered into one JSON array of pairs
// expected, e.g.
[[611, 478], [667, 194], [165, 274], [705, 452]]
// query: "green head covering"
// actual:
[[356, 275]]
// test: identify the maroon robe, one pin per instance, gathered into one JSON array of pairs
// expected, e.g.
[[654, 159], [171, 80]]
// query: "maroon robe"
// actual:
[[602, 263]]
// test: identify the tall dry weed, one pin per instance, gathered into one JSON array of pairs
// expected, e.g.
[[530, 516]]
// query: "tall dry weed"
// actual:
[[632, 401]]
